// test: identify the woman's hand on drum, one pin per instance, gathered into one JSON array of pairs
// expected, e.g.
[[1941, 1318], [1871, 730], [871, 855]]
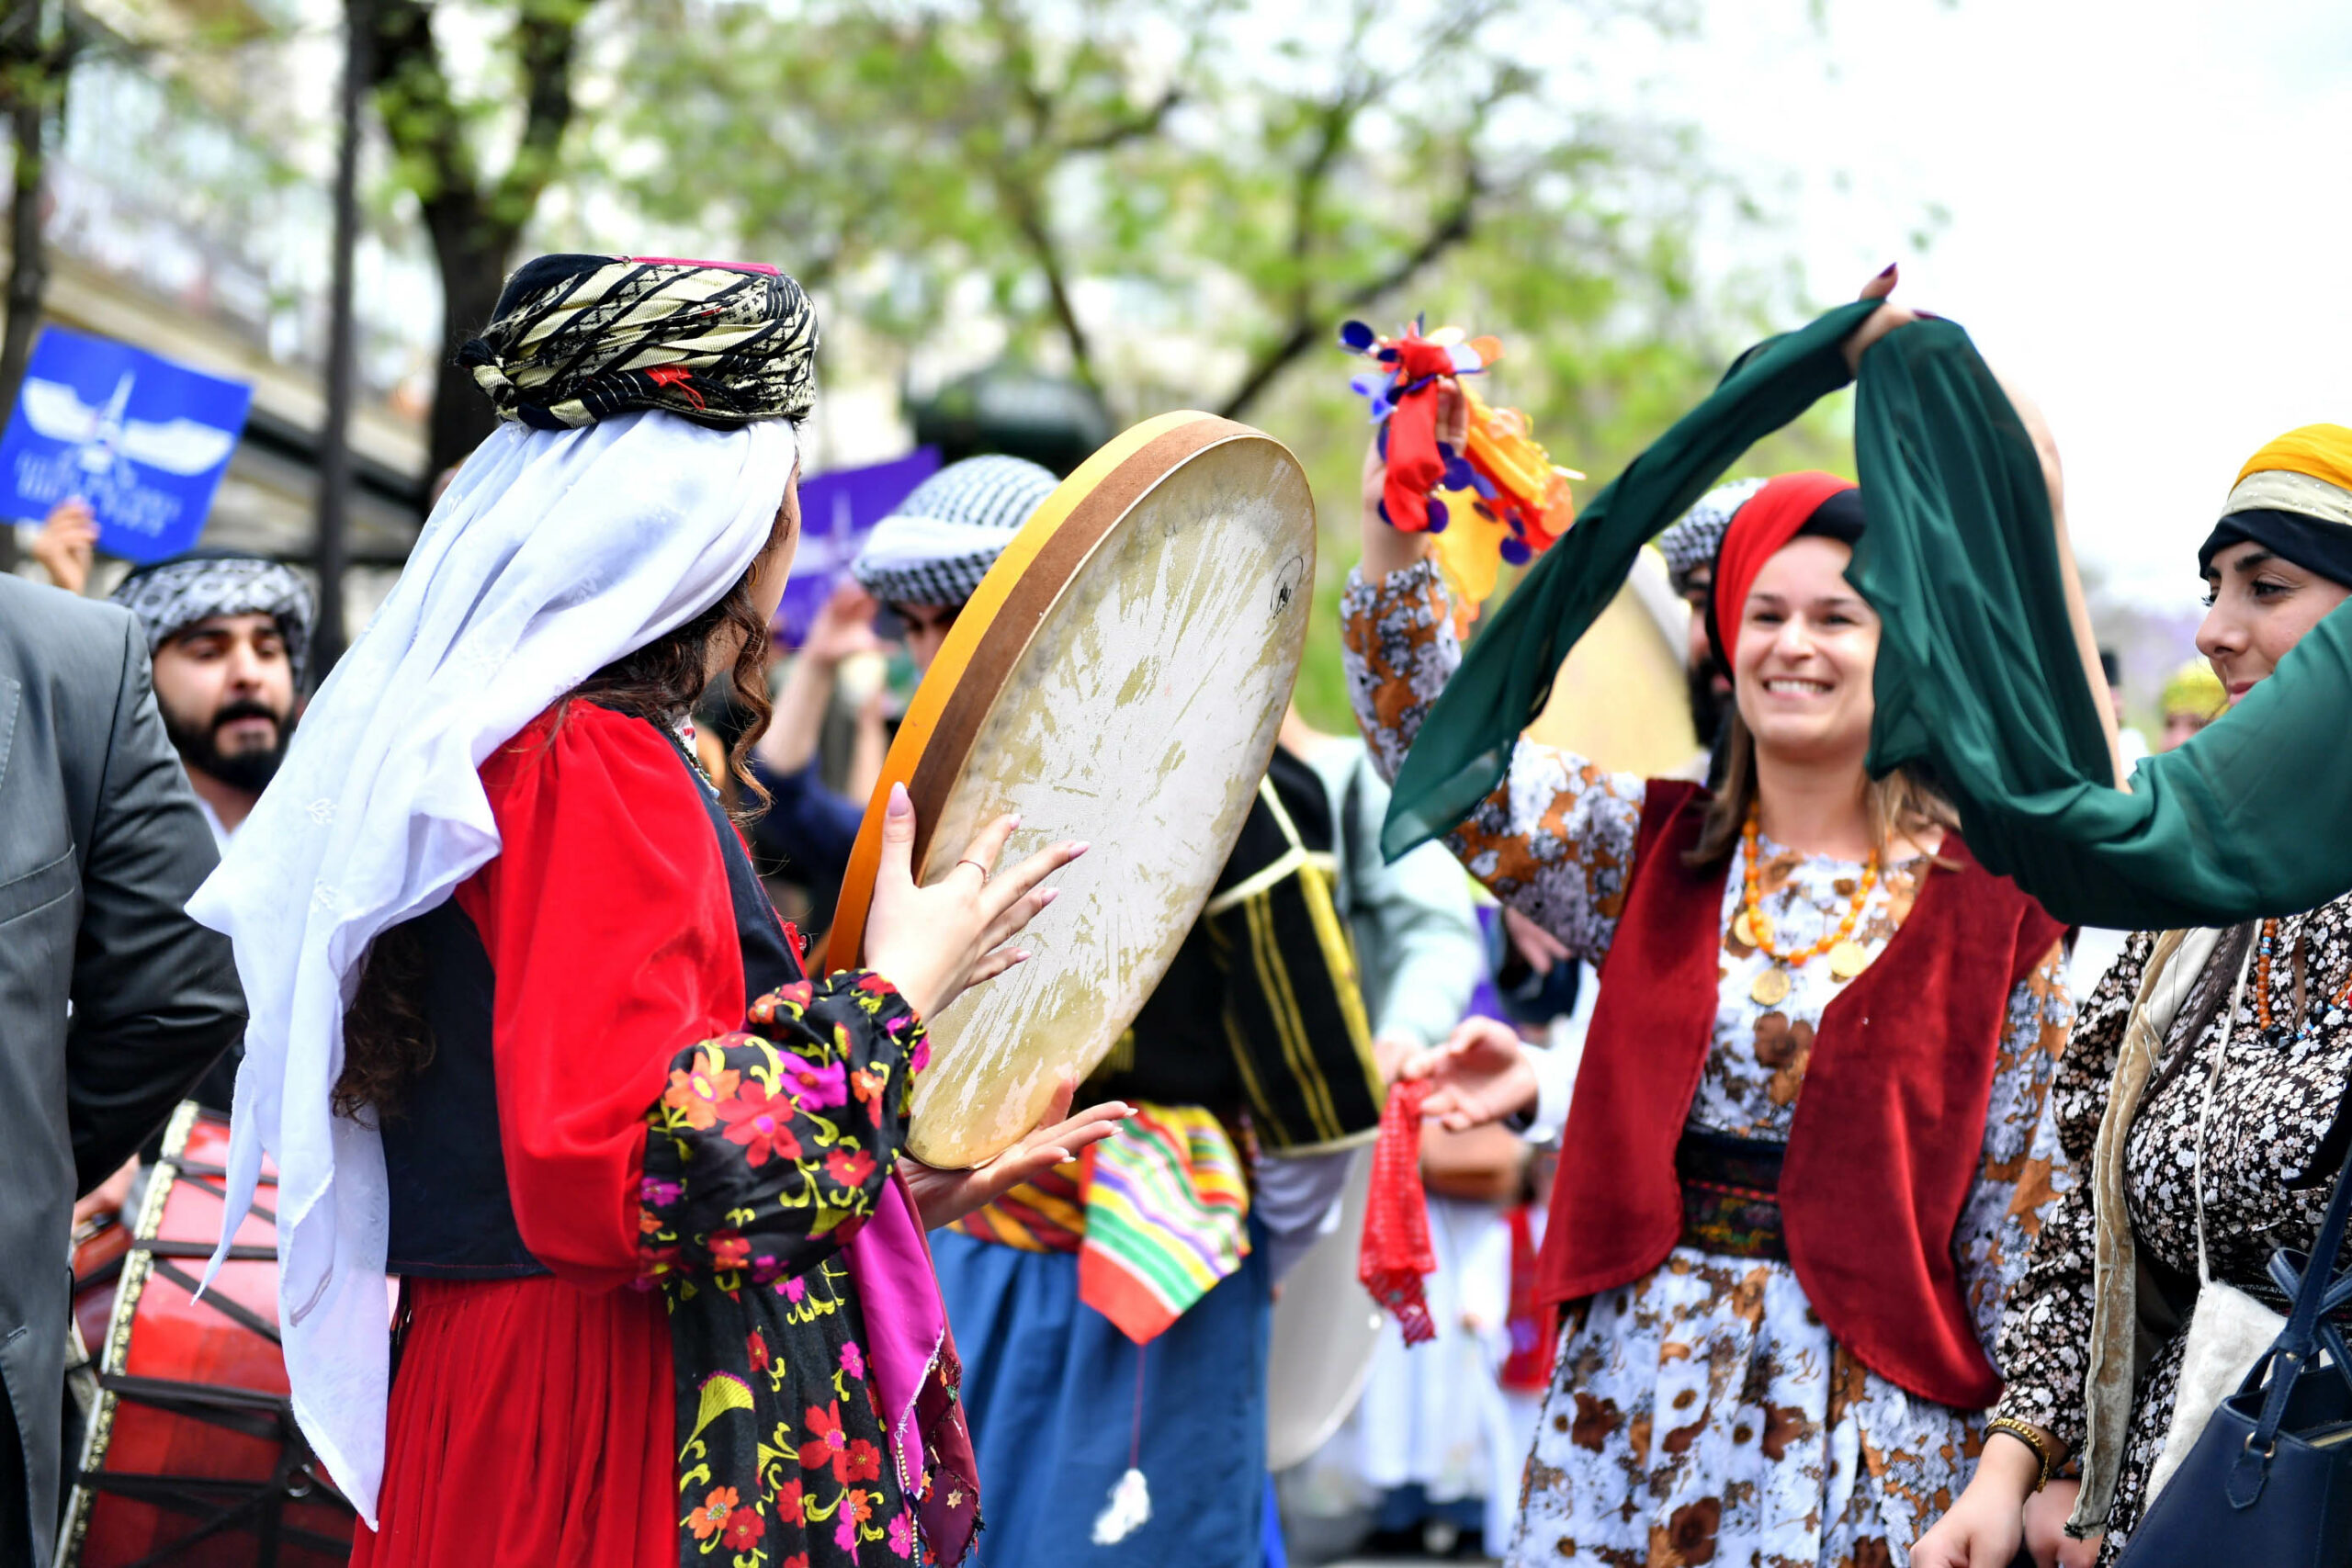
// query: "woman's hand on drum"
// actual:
[[1387, 550], [943, 1196], [934, 943], [1481, 1074]]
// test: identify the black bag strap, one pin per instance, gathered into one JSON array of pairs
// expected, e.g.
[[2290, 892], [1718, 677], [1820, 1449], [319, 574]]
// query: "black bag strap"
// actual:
[[2295, 1351]]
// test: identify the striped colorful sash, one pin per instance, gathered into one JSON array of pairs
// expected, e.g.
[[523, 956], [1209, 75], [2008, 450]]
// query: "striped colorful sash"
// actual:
[[1158, 1213], [1167, 1212]]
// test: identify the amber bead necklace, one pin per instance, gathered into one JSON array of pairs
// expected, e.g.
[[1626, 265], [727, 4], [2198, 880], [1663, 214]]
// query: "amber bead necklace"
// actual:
[[1847, 958], [2312, 1019]]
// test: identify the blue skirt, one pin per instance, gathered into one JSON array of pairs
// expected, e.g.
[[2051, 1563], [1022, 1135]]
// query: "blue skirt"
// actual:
[[1050, 1389]]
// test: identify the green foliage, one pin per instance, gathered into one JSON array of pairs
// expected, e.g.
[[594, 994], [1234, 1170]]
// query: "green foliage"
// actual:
[[1179, 201]]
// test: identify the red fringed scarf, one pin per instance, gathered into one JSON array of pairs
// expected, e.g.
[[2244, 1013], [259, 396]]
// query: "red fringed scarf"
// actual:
[[1396, 1256], [1415, 465]]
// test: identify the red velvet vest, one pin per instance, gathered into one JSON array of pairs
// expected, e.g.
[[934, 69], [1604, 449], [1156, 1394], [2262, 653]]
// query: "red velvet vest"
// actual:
[[1889, 1126]]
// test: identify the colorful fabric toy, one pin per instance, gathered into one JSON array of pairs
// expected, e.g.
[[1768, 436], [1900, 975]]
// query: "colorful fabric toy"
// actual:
[[1519, 497]]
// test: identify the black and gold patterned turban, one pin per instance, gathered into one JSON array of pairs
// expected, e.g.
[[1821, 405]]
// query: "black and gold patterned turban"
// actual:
[[577, 339]]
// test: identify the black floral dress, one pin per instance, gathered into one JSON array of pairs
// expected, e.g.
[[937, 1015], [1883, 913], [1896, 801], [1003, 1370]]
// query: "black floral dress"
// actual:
[[2276, 1138]]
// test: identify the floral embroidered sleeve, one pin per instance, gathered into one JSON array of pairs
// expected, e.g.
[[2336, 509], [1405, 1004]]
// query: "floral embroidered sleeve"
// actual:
[[2023, 1173], [769, 1147], [768, 1150], [2044, 1349], [1556, 838]]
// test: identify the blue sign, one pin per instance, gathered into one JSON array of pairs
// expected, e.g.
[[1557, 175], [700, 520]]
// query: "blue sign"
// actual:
[[139, 438]]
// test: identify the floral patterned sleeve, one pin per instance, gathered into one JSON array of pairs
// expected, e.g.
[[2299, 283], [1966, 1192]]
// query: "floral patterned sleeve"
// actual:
[[770, 1147], [2045, 1331], [1556, 838], [2023, 1172]]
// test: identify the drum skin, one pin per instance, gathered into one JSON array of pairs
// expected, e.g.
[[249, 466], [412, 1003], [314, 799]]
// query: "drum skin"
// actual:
[[1118, 677], [100, 1244], [200, 1425], [1326, 1328]]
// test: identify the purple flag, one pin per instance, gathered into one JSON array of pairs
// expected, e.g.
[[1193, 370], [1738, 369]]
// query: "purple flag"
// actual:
[[837, 512]]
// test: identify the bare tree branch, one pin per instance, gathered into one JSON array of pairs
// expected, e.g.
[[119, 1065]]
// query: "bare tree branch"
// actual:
[[1031, 221], [1134, 128], [474, 222], [545, 36], [1454, 226]]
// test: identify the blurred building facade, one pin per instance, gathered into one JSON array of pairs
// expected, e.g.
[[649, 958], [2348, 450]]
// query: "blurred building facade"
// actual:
[[185, 218]]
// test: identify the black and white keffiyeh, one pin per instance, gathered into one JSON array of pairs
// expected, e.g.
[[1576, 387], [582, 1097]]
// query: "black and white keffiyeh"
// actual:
[[173, 595], [1692, 539], [581, 338], [943, 537]]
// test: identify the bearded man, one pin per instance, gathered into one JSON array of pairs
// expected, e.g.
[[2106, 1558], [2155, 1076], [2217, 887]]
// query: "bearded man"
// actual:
[[229, 635]]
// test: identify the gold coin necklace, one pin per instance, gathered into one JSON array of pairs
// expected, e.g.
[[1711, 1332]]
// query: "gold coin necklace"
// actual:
[[1848, 957]]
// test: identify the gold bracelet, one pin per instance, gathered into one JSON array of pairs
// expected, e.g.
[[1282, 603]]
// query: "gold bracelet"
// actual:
[[2033, 1440]]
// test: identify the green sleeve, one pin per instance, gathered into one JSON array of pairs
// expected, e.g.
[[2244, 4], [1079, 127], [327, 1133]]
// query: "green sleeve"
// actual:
[[1980, 683]]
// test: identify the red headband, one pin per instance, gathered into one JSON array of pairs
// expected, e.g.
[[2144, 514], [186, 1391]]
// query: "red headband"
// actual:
[[1771, 517]]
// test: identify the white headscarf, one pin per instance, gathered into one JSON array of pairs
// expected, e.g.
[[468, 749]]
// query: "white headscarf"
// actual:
[[553, 554]]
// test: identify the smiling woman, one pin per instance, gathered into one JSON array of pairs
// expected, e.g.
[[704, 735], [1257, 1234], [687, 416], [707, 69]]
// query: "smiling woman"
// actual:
[[1782, 1290], [1802, 646], [2281, 556]]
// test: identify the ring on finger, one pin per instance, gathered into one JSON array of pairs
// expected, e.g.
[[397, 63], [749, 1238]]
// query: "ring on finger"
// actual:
[[975, 865]]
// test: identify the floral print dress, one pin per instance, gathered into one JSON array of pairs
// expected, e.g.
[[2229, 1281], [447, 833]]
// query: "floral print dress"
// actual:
[[2279, 1121], [1703, 1414]]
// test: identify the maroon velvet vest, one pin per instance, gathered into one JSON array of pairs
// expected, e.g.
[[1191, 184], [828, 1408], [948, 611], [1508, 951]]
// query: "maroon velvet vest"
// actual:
[[1889, 1126]]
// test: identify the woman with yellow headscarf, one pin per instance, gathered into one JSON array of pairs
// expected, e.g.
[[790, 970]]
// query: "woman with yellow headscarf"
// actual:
[[2199, 1098], [2192, 698]]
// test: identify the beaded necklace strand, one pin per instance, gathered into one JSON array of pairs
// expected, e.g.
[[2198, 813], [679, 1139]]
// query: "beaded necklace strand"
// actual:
[[1847, 957], [2312, 1016]]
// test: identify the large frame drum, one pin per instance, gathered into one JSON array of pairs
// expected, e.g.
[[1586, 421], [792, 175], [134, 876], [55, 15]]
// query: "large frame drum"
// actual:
[[1118, 677]]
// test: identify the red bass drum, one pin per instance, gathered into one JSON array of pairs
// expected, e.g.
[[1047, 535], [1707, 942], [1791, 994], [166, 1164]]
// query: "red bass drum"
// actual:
[[192, 1458]]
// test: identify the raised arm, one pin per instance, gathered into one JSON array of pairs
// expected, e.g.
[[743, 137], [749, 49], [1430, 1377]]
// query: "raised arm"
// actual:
[[2078, 609], [2045, 448], [843, 627]]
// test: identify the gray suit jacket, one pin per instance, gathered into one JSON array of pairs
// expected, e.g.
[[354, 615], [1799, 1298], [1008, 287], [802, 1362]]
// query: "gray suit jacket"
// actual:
[[101, 845]]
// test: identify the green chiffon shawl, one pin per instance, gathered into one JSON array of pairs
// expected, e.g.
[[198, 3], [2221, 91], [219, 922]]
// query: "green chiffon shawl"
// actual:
[[1979, 684]]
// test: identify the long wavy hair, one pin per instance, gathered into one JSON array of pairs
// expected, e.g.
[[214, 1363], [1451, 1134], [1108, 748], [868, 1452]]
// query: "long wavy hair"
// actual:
[[387, 1036], [1901, 804]]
